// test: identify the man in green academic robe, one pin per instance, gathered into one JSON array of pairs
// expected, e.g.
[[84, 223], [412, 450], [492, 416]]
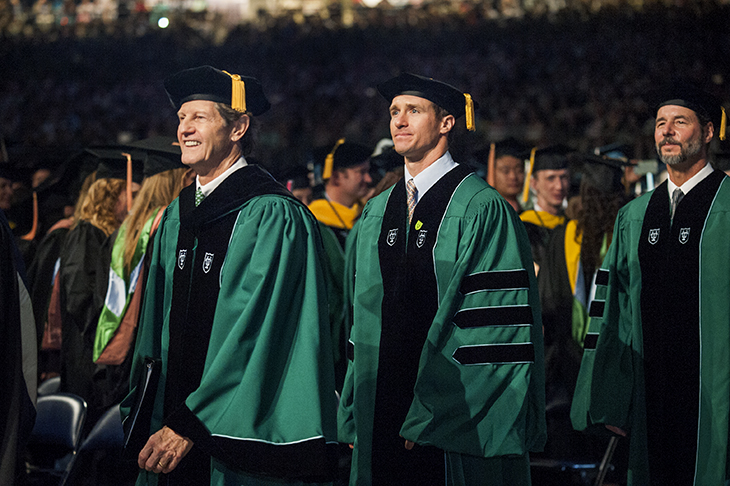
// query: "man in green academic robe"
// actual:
[[236, 309], [446, 379], [656, 365]]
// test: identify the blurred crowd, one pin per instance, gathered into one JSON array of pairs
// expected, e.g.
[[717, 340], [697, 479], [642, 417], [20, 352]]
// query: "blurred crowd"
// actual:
[[566, 77]]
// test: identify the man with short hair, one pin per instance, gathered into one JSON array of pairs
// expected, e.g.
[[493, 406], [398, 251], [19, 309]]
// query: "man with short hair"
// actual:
[[550, 182], [509, 170], [235, 307], [346, 176], [446, 379], [656, 359]]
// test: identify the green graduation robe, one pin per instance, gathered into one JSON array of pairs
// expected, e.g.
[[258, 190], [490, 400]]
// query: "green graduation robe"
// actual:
[[657, 354], [236, 308], [447, 341]]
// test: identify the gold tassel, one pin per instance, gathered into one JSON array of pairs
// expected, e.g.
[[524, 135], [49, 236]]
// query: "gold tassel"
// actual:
[[528, 176], [330, 161], [238, 92], [491, 165], [129, 181], [470, 125], [723, 124], [30, 236]]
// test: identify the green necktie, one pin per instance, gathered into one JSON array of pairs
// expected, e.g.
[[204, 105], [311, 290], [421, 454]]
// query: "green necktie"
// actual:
[[199, 196]]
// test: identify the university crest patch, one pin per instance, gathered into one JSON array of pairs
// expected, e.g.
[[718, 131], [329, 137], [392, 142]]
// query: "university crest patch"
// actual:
[[392, 236], [207, 262], [653, 236], [421, 238], [181, 259], [683, 235]]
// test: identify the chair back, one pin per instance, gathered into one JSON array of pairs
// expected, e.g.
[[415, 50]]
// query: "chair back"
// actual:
[[55, 439], [59, 421], [106, 434], [51, 385]]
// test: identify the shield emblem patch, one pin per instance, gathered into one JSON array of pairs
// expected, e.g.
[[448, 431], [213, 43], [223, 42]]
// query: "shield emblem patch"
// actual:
[[683, 235], [421, 238], [392, 236], [653, 236], [181, 259], [207, 262]]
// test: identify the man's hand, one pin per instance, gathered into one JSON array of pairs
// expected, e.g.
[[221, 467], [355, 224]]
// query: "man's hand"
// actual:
[[164, 451], [616, 430], [409, 444]]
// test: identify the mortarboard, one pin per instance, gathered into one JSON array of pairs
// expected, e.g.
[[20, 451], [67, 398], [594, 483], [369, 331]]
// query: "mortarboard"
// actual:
[[343, 155], [513, 147], [160, 154], [10, 173], [296, 177], [112, 163], [554, 157], [242, 93], [604, 173], [444, 95], [681, 92]]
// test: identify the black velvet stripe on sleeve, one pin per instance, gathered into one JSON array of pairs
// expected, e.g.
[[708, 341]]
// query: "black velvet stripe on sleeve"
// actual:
[[512, 279], [309, 460], [602, 277], [597, 307], [495, 354], [186, 423], [493, 316], [590, 341], [350, 350]]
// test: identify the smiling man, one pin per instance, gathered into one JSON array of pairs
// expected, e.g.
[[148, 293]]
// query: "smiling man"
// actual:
[[236, 309], [656, 358], [446, 376]]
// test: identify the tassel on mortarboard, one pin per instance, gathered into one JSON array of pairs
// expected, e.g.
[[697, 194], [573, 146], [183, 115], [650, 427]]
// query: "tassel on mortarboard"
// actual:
[[238, 92], [723, 124], [129, 181], [329, 161], [30, 236], [491, 164], [528, 176], [470, 124]]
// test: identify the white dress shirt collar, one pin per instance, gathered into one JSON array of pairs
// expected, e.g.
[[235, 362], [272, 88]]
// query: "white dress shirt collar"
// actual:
[[213, 185], [431, 174], [691, 183]]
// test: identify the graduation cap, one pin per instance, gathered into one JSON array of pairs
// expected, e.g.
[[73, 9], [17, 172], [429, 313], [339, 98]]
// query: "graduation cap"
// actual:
[[616, 150], [554, 157], [113, 163], [603, 173], [387, 160], [681, 92], [343, 155], [159, 153], [512, 147], [242, 93], [10, 173], [444, 95], [295, 177]]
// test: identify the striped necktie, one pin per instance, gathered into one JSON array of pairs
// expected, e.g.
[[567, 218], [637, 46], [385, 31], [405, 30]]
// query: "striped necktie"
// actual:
[[199, 196], [412, 192], [677, 196]]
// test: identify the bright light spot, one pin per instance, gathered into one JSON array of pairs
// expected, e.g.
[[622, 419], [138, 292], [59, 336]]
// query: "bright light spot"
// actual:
[[163, 22]]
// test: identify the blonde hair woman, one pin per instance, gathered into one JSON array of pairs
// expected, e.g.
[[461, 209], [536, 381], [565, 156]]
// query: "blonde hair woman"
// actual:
[[80, 302], [116, 329]]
